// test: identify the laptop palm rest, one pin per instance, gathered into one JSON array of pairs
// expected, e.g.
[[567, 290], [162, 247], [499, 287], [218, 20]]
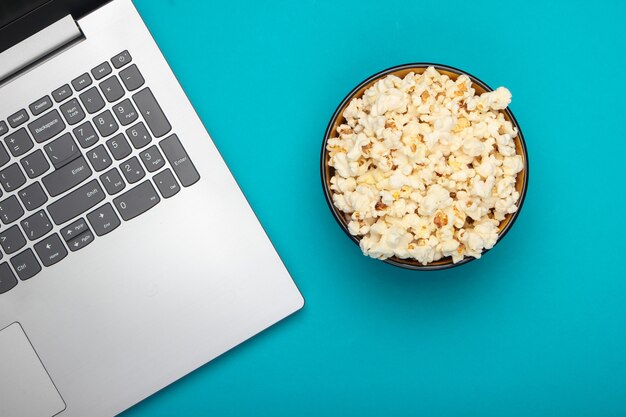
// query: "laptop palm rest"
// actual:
[[26, 389]]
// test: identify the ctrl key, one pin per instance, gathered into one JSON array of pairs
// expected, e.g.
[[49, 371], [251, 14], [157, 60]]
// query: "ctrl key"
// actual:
[[7, 279], [26, 264]]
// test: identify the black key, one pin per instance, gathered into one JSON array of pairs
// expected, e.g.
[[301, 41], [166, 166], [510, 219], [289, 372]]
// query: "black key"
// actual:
[[72, 112], [179, 160], [4, 156], [51, 250], [119, 147], [99, 158], [33, 196], [76, 228], [10, 210], [137, 200], [92, 100], [103, 219], [76, 202], [12, 178], [125, 112], [35, 164], [105, 123], [166, 183], [37, 225], [121, 59], [132, 170], [12, 239], [112, 181], [139, 135], [62, 93], [62, 150], [132, 78], [152, 158], [68, 177], [26, 264], [82, 82], [18, 118], [151, 112], [7, 278], [3, 127], [86, 135], [40, 105], [47, 126], [101, 71], [80, 241], [19, 142], [112, 89]]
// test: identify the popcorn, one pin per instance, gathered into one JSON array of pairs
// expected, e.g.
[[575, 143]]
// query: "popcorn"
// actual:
[[425, 168]]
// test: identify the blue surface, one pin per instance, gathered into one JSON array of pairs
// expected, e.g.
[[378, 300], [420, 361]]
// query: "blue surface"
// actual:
[[535, 328]]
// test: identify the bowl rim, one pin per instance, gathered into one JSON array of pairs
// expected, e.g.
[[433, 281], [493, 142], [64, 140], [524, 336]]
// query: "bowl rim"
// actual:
[[328, 133]]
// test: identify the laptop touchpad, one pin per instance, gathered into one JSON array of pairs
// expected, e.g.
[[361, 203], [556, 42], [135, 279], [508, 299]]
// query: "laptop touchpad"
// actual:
[[25, 387]]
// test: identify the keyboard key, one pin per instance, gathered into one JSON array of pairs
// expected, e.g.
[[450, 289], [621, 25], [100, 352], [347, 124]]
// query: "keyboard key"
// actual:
[[10, 210], [37, 225], [112, 181], [121, 59], [67, 177], [7, 278], [26, 264], [132, 78], [35, 164], [12, 239], [166, 183], [99, 158], [119, 147], [112, 89], [105, 123], [82, 82], [3, 127], [4, 156], [103, 219], [125, 112], [139, 135], [18, 118], [132, 170], [179, 160], [33, 196], [152, 158], [86, 135], [76, 202], [101, 71], [137, 200], [19, 142], [92, 100], [51, 250], [12, 178], [80, 241], [62, 150], [40, 105], [62, 93], [75, 229], [72, 112], [151, 112], [47, 126]]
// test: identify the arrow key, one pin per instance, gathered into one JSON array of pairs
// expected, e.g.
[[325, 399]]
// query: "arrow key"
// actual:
[[103, 219], [76, 228], [80, 241], [51, 250]]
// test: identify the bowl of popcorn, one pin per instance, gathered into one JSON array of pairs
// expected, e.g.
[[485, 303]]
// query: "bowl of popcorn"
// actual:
[[424, 166]]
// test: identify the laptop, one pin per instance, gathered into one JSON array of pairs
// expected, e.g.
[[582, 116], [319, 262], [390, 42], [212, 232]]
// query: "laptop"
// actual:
[[128, 255]]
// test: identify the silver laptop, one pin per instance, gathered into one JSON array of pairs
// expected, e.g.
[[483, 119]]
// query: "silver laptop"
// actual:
[[128, 255]]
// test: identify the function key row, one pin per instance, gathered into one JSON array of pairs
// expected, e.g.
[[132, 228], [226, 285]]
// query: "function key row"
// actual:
[[131, 77]]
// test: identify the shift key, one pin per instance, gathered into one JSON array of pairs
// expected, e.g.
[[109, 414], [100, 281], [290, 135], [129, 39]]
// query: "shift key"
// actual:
[[67, 177], [76, 202]]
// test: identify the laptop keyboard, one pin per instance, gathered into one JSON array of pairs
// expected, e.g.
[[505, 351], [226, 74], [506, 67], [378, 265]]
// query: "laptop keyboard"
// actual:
[[63, 154]]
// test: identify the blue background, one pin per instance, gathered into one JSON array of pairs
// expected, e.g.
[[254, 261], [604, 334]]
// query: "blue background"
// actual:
[[535, 328]]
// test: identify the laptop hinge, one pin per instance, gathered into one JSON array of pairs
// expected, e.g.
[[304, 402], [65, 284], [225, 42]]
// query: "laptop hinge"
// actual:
[[38, 46]]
